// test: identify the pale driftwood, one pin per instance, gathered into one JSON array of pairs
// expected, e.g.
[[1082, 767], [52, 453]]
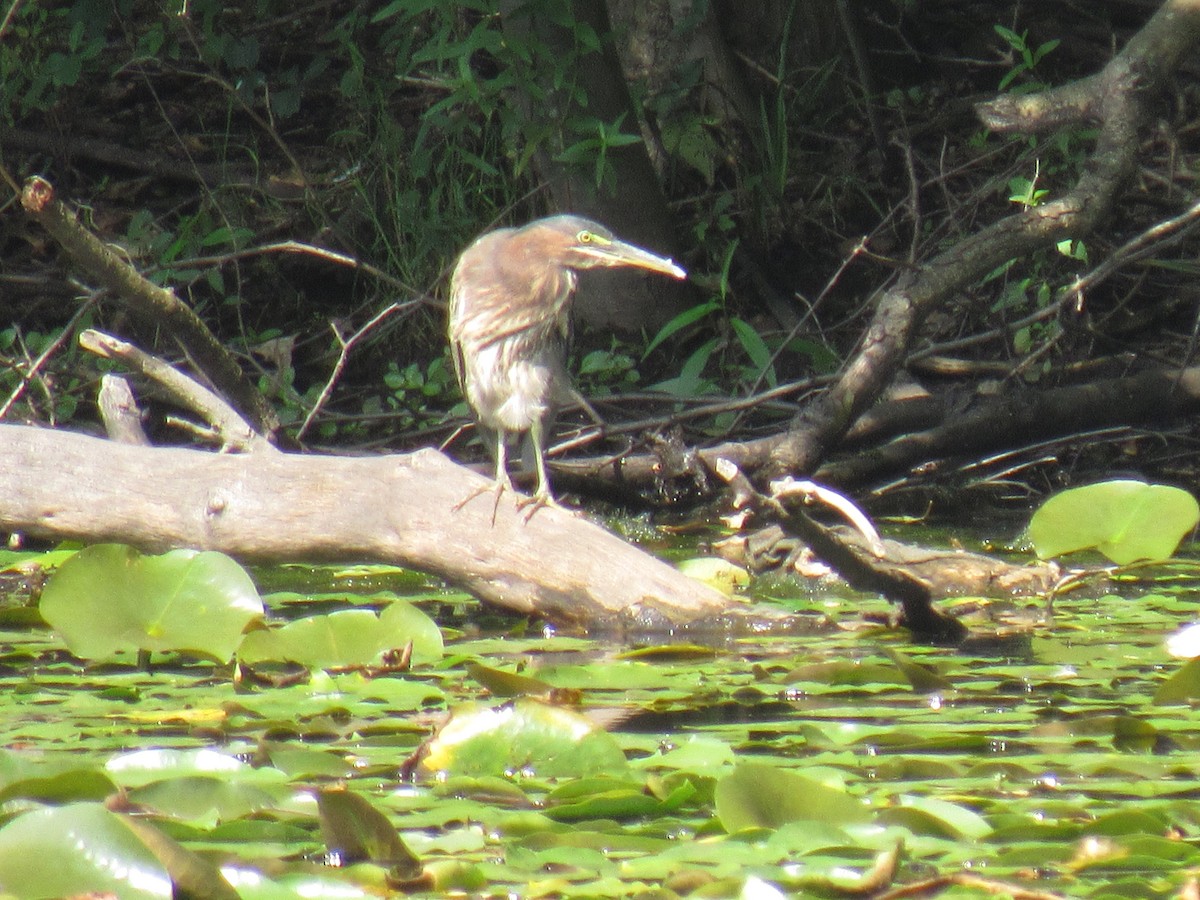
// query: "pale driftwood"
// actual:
[[270, 506], [227, 424], [119, 411]]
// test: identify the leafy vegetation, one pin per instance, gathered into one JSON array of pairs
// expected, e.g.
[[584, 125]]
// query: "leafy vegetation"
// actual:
[[787, 766], [425, 147]]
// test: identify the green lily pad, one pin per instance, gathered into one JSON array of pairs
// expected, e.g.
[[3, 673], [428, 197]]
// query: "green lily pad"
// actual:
[[755, 795], [508, 684], [77, 849], [109, 598], [1127, 521], [348, 637], [1182, 687], [525, 736]]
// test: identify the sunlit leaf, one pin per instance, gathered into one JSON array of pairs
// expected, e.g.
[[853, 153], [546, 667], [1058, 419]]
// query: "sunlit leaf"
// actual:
[[203, 801], [932, 815], [715, 572], [1125, 520], [1185, 643], [348, 637], [110, 598], [141, 767], [602, 797], [77, 849], [755, 795], [74, 785], [1181, 687], [525, 735], [508, 684]]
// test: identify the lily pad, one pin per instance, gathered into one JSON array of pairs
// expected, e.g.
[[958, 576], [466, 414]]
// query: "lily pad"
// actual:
[[110, 598], [349, 637], [755, 795], [526, 736], [77, 849], [1127, 521]]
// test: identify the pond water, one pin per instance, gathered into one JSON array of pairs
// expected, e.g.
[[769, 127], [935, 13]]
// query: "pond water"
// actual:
[[1033, 758]]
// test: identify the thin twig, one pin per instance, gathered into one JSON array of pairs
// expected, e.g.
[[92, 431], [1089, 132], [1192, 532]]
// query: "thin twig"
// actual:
[[1163, 233], [13, 9], [298, 247], [347, 345], [50, 350]]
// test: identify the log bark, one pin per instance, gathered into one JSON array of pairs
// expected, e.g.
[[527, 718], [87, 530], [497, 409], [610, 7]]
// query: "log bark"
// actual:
[[270, 506]]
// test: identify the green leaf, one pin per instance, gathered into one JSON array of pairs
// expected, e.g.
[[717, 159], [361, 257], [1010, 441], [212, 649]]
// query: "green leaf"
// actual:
[[524, 736], [357, 831], [77, 849], [141, 767], [1125, 520], [681, 321], [110, 598], [508, 684], [73, 785], [922, 678], [932, 815], [349, 637], [755, 347], [1182, 687], [755, 795]]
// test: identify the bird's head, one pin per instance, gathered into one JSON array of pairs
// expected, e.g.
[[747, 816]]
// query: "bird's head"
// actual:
[[577, 243]]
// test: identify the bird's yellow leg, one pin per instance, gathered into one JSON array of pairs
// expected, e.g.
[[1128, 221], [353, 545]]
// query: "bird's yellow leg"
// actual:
[[542, 495], [501, 483]]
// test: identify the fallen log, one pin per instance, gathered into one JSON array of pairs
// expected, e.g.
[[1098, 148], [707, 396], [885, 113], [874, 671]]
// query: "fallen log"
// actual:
[[269, 507]]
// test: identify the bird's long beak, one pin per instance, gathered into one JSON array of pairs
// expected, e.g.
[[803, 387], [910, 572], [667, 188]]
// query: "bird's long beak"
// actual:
[[619, 253]]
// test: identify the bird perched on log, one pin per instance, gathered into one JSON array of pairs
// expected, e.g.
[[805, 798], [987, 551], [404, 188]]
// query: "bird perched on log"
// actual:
[[510, 299]]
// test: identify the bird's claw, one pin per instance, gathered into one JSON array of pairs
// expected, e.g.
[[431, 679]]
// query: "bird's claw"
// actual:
[[527, 505], [536, 502], [498, 488]]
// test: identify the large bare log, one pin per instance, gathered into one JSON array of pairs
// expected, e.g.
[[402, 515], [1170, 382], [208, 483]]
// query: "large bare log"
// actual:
[[270, 506]]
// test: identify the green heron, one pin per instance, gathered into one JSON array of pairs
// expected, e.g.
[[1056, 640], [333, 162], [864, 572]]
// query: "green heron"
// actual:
[[510, 299]]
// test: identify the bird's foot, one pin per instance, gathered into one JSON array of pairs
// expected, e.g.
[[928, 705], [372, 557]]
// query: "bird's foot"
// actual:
[[527, 505], [497, 487], [538, 501]]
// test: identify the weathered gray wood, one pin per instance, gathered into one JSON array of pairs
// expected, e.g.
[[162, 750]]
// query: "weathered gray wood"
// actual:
[[270, 506]]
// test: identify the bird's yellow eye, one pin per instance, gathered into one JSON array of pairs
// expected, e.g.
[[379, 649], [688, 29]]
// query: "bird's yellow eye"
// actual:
[[584, 237]]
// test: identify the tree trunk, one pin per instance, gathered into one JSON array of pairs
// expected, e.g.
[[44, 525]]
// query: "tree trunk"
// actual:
[[629, 199]]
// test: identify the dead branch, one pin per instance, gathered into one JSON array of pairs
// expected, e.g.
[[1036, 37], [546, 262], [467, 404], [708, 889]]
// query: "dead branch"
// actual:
[[974, 424], [231, 430], [148, 301], [1119, 98], [860, 570]]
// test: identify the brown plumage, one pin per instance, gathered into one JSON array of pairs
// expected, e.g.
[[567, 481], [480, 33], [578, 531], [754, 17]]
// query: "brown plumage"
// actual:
[[510, 299]]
